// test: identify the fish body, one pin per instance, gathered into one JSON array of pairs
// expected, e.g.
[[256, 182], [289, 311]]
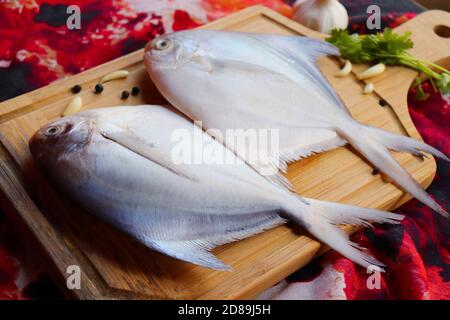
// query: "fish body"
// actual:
[[248, 81], [119, 164]]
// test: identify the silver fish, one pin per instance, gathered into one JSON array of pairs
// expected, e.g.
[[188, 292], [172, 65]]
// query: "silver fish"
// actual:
[[231, 80], [118, 163]]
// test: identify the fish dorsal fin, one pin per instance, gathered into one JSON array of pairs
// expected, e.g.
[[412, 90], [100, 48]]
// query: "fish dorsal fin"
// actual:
[[302, 53], [298, 47], [127, 139], [195, 252]]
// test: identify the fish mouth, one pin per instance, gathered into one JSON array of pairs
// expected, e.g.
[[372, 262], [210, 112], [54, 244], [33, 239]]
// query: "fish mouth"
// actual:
[[34, 143], [150, 58], [149, 46]]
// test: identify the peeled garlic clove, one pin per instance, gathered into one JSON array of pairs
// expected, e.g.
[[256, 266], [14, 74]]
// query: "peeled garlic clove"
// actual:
[[321, 15], [345, 71], [73, 107], [120, 74], [372, 72], [368, 89]]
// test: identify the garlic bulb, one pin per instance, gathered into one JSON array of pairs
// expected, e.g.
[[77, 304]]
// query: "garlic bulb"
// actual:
[[321, 15]]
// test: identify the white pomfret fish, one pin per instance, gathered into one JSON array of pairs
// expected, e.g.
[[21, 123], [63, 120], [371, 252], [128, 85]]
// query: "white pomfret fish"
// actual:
[[118, 163], [232, 80]]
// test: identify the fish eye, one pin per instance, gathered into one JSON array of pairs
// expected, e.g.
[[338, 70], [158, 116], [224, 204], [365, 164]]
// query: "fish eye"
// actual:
[[51, 131], [162, 44]]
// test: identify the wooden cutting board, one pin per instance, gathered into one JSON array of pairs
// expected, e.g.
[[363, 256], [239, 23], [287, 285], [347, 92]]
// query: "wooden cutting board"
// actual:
[[116, 267]]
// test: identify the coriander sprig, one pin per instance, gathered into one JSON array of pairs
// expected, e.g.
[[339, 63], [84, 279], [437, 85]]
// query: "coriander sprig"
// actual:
[[390, 48]]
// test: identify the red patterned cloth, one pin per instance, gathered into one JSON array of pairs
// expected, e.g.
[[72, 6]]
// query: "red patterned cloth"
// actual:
[[416, 251], [36, 49]]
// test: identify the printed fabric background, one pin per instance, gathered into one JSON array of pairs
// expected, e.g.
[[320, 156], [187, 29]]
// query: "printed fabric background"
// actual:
[[37, 49]]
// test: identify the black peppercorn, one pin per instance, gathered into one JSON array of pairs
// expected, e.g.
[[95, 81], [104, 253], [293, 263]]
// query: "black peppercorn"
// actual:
[[135, 91], [76, 89], [99, 88], [375, 171], [125, 95], [383, 103]]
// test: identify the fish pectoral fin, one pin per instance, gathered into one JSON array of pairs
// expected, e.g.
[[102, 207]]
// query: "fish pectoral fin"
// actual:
[[189, 251], [128, 140], [239, 67], [202, 63], [209, 64]]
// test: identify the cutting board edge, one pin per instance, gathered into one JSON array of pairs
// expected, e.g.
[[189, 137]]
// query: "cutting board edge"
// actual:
[[104, 294]]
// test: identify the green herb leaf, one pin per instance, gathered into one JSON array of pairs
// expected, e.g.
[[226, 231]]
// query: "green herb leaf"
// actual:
[[420, 93], [389, 48], [350, 46], [443, 83]]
